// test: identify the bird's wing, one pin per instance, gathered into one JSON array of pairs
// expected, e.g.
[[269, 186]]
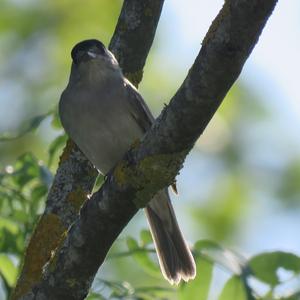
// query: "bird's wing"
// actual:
[[141, 113], [138, 108]]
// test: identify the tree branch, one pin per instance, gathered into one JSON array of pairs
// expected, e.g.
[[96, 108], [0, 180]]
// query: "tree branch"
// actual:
[[134, 34], [154, 163], [76, 176]]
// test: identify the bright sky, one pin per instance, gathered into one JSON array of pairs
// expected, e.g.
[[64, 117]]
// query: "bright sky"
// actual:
[[273, 67]]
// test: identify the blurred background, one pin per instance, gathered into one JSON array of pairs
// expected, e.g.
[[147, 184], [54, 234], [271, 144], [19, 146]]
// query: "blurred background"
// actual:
[[239, 186]]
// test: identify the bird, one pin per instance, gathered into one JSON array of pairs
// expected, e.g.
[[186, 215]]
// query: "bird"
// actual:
[[104, 114]]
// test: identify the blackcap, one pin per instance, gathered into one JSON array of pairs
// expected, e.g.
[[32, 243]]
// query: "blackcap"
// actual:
[[104, 114]]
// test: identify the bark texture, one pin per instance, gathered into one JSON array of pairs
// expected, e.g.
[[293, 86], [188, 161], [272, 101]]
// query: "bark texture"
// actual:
[[156, 160], [134, 34], [76, 176]]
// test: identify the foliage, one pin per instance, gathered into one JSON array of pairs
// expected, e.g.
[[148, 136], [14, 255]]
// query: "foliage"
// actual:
[[23, 187], [241, 284]]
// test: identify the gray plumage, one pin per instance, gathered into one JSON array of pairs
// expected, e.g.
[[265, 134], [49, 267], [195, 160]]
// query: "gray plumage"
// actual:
[[104, 114]]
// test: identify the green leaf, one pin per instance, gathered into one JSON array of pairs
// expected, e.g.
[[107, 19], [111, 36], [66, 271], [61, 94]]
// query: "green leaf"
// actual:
[[142, 257], [38, 192], [146, 237], [265, 266], [30, 125], [199, 287], [8, 270], [221, 256], [9, 225], [233, 290], [20, 215], [9, 233], [56, 145], [56, 120], [207, 245], [26, 169], [99, 181]]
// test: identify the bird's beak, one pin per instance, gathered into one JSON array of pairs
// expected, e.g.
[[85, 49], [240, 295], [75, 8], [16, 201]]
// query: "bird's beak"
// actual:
[[85, 56], [92, 54]]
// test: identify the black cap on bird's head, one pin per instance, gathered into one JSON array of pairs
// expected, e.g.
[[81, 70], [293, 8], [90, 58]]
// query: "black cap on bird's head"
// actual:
[[87, 50]]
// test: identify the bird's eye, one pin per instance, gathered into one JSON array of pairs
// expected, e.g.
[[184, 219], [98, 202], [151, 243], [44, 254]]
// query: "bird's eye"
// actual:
[[76, 55]]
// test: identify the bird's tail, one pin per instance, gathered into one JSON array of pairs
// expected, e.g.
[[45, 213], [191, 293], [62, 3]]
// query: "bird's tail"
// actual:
[[175, 258]]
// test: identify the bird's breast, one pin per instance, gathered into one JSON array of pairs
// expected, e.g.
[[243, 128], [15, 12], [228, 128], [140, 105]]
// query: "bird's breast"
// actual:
[[101, 126]]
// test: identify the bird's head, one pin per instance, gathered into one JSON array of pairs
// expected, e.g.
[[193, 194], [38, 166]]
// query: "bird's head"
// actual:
[[92, 61]]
